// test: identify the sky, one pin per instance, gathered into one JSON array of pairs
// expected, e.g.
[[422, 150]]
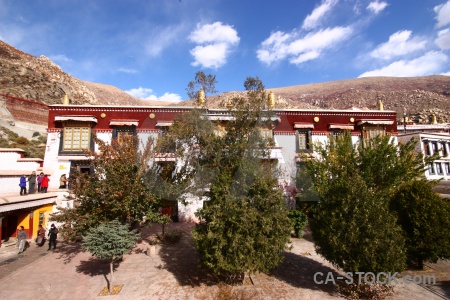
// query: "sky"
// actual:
[[152, 49]]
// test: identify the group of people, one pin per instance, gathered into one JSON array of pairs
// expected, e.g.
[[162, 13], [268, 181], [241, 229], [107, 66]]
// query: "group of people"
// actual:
[[40, 240], [42, 183]]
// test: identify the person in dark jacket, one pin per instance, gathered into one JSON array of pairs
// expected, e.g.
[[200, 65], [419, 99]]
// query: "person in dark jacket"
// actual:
[[23, 185], [53, 234], [32, 183]]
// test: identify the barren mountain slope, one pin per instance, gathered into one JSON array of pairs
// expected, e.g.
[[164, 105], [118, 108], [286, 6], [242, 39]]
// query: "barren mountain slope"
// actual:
[[39, 79], [420, 97]]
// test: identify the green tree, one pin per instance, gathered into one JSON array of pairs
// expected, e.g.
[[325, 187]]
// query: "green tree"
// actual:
[[122, 187], [425, 219], [244, 225], [352, 225], [109, 241], [206, 82]]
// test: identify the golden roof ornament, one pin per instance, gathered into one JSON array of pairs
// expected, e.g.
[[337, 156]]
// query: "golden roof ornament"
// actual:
[[271, 100], [433, 119], [380, 105], [66, 100], [229, 103], [201, 98]]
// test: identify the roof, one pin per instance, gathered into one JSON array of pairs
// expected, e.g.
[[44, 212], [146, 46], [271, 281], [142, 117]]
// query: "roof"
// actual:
[[20, 202]]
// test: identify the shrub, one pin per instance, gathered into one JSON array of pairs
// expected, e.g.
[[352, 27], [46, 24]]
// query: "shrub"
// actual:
[[298, 221]]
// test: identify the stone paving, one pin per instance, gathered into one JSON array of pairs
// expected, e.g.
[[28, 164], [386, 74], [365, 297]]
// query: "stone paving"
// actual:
[[172, 273]]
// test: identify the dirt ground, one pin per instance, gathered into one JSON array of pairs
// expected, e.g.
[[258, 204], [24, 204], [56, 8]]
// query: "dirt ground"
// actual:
[[174, 273]]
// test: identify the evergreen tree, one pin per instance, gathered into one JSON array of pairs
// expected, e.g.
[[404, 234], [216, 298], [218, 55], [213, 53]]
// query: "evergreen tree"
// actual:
[[109, 241], [425, 219], [243, 225], [121, 187], [352, 226]]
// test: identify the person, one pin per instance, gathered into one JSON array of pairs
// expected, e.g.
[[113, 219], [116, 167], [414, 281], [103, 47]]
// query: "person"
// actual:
[[53, 234], [39, 180], [40, 240], [32, 183], [23, 185], [44, 183], [22, 239], [63, 181]]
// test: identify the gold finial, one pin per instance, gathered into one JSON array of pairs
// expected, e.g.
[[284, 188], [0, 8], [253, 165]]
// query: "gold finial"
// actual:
[[380, 105], [433, 119], [229, 104], [271, 99], [66, 100], [201, 98]]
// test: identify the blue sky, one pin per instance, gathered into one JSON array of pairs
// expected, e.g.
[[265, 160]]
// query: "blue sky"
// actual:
[[153, 48]]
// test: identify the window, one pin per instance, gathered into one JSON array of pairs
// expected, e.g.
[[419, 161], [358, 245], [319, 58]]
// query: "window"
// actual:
[[439, 168], [434, 147], [444, 149], [76, 138], [426, 148], [303, 140], [369, 132], [120, 132], [447, 168], [431, 170]]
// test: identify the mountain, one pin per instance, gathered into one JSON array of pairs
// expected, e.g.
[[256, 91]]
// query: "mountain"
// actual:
[[39, 79], [419, 97]]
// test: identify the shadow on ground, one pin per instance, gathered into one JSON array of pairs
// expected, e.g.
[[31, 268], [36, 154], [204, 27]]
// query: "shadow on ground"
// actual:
[[298, 271], [68, 250]]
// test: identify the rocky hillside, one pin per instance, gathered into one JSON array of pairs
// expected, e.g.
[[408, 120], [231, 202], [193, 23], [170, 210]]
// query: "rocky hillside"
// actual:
[[39, 79], [420, 97]]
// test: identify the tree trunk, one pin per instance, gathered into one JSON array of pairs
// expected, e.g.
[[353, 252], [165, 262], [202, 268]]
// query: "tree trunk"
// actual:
[[111, 270]]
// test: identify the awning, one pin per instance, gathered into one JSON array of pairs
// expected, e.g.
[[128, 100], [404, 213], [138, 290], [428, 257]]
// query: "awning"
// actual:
[[376, 122], [221, 118], [275, 154], [164, 124], [273, 118], [124, 123], [161, 157], [342, 126], [76, 118], [21, 205], [298, 125]]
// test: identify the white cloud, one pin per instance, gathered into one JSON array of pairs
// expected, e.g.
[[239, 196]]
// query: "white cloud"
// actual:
[[300, 49], [127, 70], [376, 6], [443, 39], [147, 94], [400, 43], [313, 19], [428, 64], [215, 42], [446, 73], [60, 58], [160, 39], [442, 14]]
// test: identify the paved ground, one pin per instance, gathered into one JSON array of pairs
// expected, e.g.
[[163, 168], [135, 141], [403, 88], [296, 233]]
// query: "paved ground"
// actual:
[[173, 273]]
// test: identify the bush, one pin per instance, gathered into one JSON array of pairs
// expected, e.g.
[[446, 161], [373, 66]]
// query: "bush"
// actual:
[[298, 221], [35, 134]]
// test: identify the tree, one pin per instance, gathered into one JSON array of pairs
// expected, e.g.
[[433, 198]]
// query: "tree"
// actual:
[[244, 225], [425, 219], [109, 241], [352, 225], [206, 82], [122, 187]]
